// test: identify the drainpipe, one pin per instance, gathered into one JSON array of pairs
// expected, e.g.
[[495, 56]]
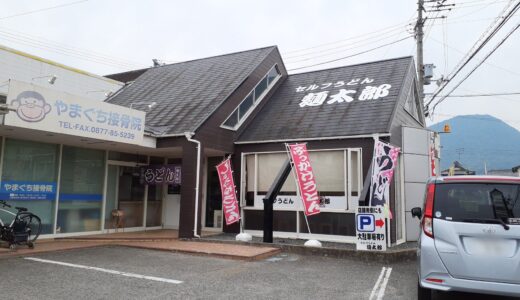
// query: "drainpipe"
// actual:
[[188, 136]]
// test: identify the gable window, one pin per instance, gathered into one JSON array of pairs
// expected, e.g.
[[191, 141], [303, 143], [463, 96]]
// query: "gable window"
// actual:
[[254, 97]]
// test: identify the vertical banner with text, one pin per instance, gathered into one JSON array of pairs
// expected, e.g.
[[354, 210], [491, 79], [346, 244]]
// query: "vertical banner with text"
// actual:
[[229, 196], [383, 165], [305, 179]]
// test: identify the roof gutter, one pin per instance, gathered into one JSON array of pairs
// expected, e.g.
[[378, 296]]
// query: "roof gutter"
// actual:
[[316, 139], [189, 136]]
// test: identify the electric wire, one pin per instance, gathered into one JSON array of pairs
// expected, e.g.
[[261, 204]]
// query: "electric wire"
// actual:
[[42, 9], [352, 55], [477, 66], [481, 42]]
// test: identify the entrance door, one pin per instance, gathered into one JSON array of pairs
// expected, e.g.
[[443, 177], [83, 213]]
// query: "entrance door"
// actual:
[[213, 195], [125, 192]]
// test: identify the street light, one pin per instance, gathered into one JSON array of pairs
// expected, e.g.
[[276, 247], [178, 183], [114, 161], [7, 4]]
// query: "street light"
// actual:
[[52, 78]]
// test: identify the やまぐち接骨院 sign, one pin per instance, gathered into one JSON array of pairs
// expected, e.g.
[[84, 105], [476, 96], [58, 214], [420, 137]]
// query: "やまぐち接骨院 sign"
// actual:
[[54, 111]]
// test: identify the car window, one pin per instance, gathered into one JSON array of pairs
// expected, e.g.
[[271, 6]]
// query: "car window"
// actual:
[[459, 201]]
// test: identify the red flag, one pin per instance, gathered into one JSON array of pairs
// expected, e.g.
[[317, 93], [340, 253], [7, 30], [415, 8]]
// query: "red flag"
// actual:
[[229, 196], [305, 178]]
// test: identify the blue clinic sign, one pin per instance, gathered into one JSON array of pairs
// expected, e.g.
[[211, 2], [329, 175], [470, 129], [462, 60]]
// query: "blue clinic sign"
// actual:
[[27, 190], [49, 110]]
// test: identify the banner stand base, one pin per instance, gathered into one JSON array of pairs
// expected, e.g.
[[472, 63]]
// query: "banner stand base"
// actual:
[[244, 237], [313, 243]]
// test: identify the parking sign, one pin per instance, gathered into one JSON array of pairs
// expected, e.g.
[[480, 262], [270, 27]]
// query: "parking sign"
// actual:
[[370, 228]]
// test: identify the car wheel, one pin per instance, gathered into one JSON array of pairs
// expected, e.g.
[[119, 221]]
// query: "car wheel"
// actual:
[[423, 293]]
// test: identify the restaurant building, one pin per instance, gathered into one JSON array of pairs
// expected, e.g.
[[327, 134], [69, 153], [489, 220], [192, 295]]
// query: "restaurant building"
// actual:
[[243, 105]]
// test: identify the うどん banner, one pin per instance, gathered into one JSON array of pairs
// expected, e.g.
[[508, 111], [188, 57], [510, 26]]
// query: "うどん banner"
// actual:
[[229, 196], [305, 179]]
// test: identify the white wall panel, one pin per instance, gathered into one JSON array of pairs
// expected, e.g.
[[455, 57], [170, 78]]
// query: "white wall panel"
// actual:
[[24, 67]]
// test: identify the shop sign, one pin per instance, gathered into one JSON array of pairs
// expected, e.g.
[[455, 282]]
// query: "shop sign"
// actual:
[[161, 174], [291, 202], [305, 179], [229, 195], [27, 190], [49, 110], [344, 92], [383, 165], [370, 228]]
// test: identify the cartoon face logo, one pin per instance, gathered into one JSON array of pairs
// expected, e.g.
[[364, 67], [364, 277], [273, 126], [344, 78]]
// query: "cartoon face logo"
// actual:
[[31, 106]]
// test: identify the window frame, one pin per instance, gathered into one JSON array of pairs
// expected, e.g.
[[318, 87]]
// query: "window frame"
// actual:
[[352, 201], [256, 99]]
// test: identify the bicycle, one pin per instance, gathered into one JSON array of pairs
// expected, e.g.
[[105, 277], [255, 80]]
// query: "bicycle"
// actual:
[[24, 229]]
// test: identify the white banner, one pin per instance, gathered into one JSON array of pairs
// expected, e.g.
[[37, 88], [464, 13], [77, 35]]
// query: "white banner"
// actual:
[[294, 202], [383, 165], [49, 110]]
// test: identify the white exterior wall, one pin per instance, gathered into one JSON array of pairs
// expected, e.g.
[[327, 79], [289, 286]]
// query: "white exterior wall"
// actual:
[[24, 67], [416, 144]]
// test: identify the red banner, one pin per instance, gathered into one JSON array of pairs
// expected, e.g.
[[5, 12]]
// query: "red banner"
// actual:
[[229, 196], [305, 178]]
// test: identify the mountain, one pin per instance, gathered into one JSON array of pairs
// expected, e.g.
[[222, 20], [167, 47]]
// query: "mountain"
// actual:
[[479, 139]]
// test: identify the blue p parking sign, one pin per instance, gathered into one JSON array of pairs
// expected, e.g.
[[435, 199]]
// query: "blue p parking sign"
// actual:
[[366, 223]]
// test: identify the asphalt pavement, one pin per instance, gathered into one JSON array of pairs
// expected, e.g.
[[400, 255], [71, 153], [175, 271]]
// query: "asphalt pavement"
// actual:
[[129, 273]]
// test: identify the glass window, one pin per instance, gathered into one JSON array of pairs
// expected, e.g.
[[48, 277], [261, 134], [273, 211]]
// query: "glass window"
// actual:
[[260, 88], [272, 75], [473, 201], [154, 206], [329, 171], [81, 190], [3, 99], [232, 121], [250, 183], [131, 196], [245, 106], [269, 165], [31, 164], [355, 173], [252, 99]]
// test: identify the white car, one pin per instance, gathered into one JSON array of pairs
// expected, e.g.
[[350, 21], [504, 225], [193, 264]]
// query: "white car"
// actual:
[[470, 236]]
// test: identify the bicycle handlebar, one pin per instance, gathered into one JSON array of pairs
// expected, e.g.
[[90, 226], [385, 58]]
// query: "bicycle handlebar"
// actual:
[[4, 204]]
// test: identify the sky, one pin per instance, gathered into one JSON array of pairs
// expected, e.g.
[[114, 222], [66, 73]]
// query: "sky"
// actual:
[[111, 36]]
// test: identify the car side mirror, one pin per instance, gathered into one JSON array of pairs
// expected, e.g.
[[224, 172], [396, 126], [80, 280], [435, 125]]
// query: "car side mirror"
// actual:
[[417, 212]]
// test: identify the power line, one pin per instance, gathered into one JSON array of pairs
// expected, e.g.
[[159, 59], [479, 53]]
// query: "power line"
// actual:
[[53, 46], [364, 35], [482, 95], [486, 37], [477, 66], [42, 9], [352, 55], [289, 61]]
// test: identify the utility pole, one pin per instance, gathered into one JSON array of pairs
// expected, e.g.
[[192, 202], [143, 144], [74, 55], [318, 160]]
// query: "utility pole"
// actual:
[[419, 35]]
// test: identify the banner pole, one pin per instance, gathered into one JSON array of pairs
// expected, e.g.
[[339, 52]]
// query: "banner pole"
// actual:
[[311, 242]]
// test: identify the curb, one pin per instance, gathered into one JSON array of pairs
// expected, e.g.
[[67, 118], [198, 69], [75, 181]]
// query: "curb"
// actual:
[[208, 254], [390, 256]]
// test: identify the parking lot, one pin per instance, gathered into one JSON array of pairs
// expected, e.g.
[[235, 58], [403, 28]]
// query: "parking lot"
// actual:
[[121, 272]]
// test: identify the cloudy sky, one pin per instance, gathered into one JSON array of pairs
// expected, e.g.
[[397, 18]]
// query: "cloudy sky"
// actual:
[[110, 36]]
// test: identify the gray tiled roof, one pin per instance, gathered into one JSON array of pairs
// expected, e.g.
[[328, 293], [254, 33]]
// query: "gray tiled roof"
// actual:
[[282, 117], [187, 93]]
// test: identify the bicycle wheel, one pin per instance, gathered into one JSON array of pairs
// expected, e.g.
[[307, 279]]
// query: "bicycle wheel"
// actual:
[[33, 225]]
